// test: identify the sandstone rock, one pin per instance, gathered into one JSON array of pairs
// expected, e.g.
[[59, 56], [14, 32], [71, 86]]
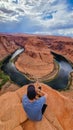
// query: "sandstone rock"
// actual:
[[11, 111], [60, 109], [58, 115], [41, 125], [61, 45], [18, 128], [7, 46], [8, 87], [36, 67]]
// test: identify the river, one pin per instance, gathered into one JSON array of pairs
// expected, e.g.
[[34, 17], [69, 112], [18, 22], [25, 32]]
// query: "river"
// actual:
[[59, 82], [9, 68]]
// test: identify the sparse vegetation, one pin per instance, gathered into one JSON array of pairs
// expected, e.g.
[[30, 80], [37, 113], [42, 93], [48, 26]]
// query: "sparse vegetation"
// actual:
[[4, 78]]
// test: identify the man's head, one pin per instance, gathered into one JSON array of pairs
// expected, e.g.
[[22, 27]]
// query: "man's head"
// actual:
[[31, 93]]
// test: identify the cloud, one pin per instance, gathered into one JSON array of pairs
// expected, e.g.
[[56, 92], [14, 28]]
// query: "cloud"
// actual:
[[43, 16]]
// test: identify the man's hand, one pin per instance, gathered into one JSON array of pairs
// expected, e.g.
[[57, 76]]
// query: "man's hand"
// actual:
[[41, 93]]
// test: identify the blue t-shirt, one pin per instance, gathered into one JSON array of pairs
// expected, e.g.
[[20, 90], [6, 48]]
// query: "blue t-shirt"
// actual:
[[33, 109]]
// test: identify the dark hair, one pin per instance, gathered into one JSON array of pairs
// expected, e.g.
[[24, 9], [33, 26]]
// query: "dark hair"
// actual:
[[31, 93]]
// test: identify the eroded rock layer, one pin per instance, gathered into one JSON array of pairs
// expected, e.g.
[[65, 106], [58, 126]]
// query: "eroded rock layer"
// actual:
[[61, 45]]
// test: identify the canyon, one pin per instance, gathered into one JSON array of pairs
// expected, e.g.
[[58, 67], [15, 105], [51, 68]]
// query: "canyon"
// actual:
[[37, 61]]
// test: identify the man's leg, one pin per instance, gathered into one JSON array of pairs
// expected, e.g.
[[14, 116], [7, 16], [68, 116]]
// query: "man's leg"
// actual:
[[44, 108]]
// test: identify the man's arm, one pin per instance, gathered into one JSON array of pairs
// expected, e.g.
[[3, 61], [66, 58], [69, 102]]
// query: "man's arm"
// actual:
[[41, 93]]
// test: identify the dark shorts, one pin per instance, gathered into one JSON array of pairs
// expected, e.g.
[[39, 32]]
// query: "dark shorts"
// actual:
[[44, 108]]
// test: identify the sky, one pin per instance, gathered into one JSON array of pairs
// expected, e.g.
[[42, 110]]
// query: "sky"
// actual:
[[47, 17]]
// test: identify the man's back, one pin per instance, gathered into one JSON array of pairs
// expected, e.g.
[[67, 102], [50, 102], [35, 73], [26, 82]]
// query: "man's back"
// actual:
[[33, 109]]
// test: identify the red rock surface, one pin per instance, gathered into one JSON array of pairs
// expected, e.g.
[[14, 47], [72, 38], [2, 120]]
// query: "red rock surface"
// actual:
[[7, 46], [37, 61], [58, 115], [61, 45]]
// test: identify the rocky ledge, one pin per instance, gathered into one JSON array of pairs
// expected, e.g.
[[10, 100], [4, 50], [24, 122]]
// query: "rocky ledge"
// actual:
[[58, 115]]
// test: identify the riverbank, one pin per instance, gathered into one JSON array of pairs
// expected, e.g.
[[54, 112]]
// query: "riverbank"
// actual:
[[58, 78], [37, 69]]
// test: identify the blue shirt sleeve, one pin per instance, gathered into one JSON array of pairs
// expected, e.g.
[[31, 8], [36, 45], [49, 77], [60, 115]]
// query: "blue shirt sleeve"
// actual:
[[42, 101]]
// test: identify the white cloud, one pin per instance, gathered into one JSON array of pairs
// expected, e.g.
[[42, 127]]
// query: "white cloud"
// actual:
[[50, 15], [61, 32]]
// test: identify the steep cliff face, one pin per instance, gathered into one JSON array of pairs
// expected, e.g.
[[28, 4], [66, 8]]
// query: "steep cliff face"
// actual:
[[61, 45], [37, 54], [37, 59], [9, 43]]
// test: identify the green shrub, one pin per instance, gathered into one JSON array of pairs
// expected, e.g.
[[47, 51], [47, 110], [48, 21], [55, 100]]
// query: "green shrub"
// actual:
[[5, 78]]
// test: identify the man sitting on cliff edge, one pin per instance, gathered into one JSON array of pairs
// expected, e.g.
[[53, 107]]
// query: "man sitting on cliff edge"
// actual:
[[34, 107]]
